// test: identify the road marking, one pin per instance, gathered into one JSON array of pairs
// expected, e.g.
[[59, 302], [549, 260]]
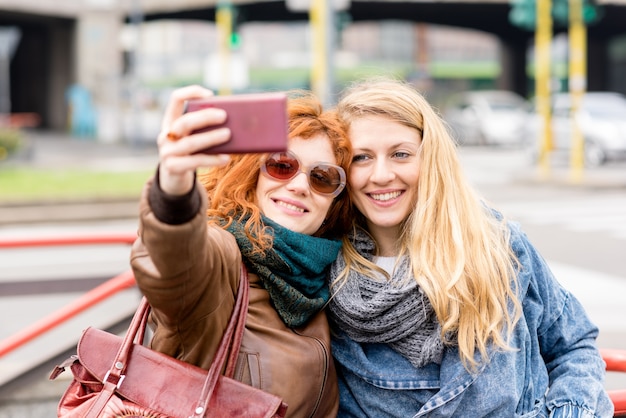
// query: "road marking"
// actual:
[[605, 213], [603, 295]]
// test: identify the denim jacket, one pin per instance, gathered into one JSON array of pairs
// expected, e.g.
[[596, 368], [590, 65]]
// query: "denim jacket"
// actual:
[[554, 370]]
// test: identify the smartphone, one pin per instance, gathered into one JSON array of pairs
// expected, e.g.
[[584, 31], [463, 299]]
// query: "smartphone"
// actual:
[[258, 122]]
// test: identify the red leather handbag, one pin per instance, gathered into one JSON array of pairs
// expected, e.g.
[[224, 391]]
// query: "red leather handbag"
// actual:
[[119, 377]]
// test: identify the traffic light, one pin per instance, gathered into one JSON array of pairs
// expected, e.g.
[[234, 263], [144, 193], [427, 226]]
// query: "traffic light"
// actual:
[[523, 14], [228, 20], [591, 12], [235, 40], [235, 35]]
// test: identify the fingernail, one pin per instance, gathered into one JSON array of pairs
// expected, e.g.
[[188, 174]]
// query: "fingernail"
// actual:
[[173, 136]]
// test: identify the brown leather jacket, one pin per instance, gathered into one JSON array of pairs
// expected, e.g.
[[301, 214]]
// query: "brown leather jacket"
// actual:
[[190, 273]]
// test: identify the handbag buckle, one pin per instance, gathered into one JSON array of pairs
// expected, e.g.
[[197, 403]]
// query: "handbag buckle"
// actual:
[[119, 381]]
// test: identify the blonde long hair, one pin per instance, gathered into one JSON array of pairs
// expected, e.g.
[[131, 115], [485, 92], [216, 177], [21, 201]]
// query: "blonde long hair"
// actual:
[[232, 188], [459, 252]]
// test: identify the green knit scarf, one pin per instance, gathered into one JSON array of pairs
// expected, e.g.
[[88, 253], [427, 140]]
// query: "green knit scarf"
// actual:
[[293, 271]]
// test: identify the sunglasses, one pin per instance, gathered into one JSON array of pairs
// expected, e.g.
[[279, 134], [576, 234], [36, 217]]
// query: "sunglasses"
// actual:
[[324, 178]]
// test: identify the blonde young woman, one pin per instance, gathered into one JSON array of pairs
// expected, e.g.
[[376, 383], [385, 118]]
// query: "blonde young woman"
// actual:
[[281, 214], [439, 306]]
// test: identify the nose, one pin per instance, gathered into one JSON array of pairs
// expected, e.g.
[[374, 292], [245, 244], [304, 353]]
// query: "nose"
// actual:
[[299, 184], [381, 172]]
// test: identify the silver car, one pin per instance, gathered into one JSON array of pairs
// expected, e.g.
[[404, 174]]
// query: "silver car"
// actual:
[[602, 121], [487, 117]]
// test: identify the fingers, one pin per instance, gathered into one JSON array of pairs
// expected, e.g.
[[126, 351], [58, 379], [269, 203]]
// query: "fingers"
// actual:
[[177, 102], [187, 124], [176, 175], [180, 166], [180, 142], [171, 143], [179, 159]]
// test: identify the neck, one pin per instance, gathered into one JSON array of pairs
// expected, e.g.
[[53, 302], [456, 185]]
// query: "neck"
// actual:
[[387, 240]]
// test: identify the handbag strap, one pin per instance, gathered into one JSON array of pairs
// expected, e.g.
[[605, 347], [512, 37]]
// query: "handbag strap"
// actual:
[[241, 310], [231, 341], [137, 327], [115, 376]]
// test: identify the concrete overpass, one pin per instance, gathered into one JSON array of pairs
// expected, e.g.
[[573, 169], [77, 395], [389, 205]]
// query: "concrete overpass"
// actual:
[[68, 41]]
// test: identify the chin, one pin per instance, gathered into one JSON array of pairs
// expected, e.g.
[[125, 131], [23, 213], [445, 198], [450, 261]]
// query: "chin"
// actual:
[[288, 223], [385, 223]]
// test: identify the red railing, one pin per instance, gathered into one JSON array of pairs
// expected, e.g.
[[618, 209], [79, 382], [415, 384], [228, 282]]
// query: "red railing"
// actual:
[[615, 359], [120, 238], [616, 362], [89, 299]]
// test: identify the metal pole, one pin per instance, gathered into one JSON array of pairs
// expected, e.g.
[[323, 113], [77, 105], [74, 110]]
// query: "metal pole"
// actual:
[[330, 31], [322, 26], [224, 22], [9, 38], [543, 39], [5, 85], [577, 84], [136, 19]]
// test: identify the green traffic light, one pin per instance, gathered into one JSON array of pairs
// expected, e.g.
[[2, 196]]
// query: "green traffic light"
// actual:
[[235, 40], [523, 13], [591, 12]]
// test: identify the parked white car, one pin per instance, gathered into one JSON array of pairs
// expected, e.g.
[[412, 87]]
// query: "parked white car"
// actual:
[[487, 117], [602, 121]]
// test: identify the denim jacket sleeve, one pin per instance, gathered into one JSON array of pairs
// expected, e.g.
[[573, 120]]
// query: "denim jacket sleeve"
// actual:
[[566, 337]]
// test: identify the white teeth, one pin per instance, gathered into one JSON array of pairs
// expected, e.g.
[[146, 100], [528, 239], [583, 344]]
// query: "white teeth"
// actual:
[[289, 206], [385, 196]]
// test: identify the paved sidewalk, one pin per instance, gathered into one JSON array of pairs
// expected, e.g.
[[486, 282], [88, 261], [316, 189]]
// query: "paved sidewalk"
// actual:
[[51, 150], [486, 165], [611, 176]]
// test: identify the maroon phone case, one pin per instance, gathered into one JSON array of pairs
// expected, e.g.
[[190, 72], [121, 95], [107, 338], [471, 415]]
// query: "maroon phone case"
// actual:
[[258, 122]]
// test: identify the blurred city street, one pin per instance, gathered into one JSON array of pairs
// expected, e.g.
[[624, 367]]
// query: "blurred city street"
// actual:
[[88, 82], [579, 228]]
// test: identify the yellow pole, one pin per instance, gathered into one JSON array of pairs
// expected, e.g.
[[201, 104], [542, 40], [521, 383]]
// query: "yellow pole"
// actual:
[[319, 69], [224, 23], [577, 84], [543, 40]]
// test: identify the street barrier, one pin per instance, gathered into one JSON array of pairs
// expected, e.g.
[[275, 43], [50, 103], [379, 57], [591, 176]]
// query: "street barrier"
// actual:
[[109, 288], [616, 362]]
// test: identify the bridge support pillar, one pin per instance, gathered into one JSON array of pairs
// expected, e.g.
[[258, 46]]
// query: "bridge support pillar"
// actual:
[[513, 66], [99, 66], [598, 65]]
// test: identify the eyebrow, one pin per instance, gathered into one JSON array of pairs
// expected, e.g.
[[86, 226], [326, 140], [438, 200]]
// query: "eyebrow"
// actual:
[[394, 146]]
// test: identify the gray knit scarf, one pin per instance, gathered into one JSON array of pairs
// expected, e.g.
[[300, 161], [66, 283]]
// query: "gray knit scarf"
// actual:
[[394, 312]]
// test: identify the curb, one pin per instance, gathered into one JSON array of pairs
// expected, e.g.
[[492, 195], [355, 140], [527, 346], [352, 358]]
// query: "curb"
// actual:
[[563, 179], [47, 212]]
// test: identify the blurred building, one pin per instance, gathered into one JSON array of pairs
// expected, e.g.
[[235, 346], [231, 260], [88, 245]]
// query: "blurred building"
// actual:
[[278, 55], [128, 65]]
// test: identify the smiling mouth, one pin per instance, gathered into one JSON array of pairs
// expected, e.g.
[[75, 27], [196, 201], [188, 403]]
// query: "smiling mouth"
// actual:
[[289, 206], [383, 197]]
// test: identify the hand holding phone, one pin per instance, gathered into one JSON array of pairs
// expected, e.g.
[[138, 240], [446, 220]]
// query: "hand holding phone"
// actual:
[[258, 122]]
